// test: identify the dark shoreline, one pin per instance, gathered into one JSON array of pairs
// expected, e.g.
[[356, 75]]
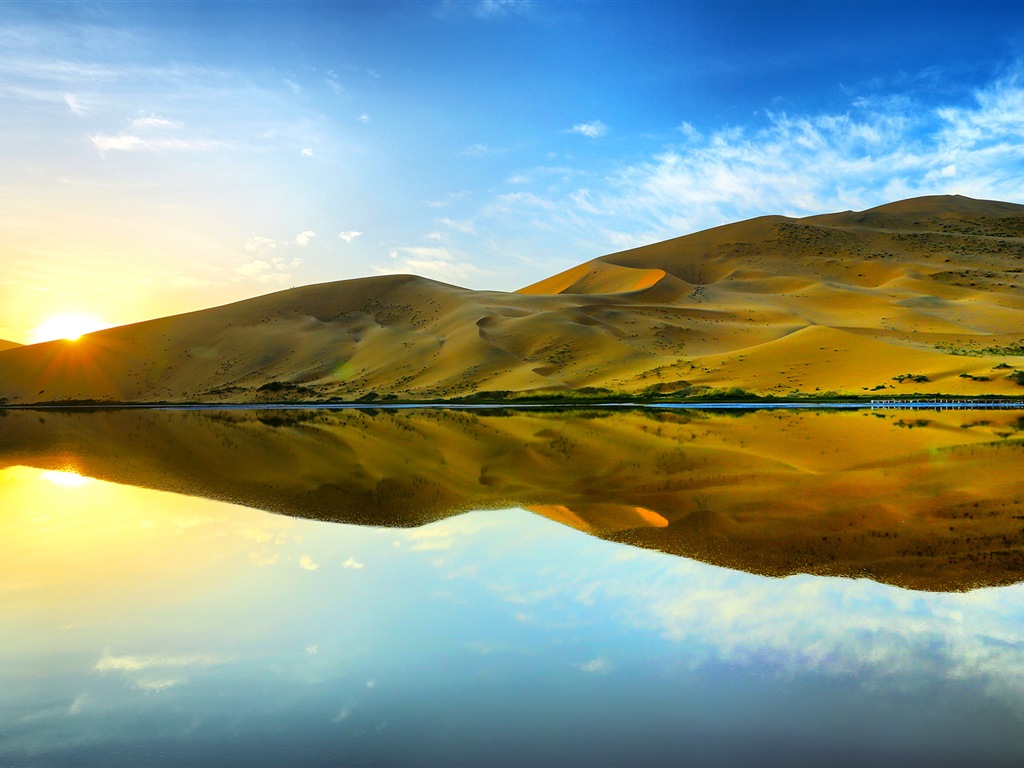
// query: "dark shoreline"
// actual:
[[925, 404]]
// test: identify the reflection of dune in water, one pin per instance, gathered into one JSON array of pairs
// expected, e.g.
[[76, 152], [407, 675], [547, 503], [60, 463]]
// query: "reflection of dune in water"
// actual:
[[924, 500]]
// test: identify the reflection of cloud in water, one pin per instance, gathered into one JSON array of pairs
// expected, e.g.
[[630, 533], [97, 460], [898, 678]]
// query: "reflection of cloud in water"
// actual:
[[261, 559], [442, 535], [152, 673], [110, 663], [800, 625], [599, 666], [79, 704], [833, 626]]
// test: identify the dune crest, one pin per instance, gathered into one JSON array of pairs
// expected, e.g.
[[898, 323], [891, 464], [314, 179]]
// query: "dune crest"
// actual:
[[923, 295]]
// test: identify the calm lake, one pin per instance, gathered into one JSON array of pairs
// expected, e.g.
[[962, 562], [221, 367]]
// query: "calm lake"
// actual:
[[510, 588]]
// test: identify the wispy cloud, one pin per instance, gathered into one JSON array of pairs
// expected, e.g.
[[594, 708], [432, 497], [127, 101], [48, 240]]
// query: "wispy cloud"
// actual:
[[349, 235], [466, 226], [154, 121], [486, 9], [260, 244], [430, 261], [264, 270], [74, 104], [334, 83], [304, 238], [129, 142], [594, 130], [502, 7], [482, 150], [876, 151]]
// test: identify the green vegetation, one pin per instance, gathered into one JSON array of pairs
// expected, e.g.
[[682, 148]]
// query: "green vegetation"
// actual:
[[1017, 377], [969, 350], [917, 378], [286, 386]]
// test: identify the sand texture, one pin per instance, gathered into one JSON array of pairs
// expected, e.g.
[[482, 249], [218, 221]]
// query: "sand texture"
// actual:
[[928, 500], [924, 295], [4, 344]]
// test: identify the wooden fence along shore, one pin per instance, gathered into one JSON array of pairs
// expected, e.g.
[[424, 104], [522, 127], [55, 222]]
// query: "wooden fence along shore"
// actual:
[[943, 403]]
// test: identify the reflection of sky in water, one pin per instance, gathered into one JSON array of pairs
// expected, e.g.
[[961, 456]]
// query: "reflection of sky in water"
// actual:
[[140, 626]]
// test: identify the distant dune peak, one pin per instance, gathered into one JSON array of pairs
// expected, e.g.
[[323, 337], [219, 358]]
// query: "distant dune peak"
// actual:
[[597, 277]]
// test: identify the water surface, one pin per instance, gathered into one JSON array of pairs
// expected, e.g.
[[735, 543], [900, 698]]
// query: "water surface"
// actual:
[[140, 626]]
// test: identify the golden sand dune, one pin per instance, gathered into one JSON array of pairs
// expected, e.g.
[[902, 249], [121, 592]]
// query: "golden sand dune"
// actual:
[[4, 344], [928, 500], [924, 295]]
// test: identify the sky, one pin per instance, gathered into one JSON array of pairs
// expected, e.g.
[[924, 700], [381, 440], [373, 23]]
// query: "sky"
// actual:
[[162, 157]]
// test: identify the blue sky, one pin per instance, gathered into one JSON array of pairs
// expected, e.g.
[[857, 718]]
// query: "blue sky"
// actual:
[[163, 157]]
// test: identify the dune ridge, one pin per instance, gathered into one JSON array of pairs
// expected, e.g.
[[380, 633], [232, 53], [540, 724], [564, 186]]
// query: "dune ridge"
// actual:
[[920, 296]]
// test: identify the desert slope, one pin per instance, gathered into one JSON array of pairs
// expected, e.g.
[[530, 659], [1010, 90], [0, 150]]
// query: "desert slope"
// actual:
[[4, 344], [923, 295]]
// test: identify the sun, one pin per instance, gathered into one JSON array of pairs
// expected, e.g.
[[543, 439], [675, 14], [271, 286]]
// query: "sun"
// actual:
[[69, 326]]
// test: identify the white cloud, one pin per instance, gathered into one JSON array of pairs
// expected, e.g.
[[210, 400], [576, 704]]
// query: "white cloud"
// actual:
[[260, 244], [689, 132], [876, 151], [332, 82], [74, 103], [460, 226], [154, 121], [306, 152], [129, 142], [267, 268], [592, 130], [253, 270], [352, 563], [294, 87], [496, 8], [308, 563], [350, 235], [364, 118], [481, 150], [303, 238]]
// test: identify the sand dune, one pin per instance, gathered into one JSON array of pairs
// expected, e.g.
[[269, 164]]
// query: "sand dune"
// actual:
[[4, 344], [930, 500], [923, 295]]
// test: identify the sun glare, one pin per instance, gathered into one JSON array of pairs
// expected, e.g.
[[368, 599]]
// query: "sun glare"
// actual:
[[70, 326], [65, 478]]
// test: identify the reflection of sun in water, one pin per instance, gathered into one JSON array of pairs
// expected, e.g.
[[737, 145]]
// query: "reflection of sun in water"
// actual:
[[68, 479], [69, 325]]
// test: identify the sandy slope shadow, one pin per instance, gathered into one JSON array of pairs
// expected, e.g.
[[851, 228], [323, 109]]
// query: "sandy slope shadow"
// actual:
[[926, 500]]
